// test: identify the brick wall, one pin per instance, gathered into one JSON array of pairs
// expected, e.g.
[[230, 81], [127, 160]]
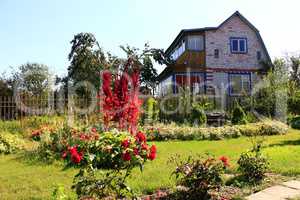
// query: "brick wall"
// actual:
[[220, 39]]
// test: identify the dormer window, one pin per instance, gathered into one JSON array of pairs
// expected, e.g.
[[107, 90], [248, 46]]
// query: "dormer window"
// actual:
[[238, 45]]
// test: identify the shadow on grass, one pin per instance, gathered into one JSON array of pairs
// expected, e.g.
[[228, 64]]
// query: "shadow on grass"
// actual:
[[34, 158], [285, 143]]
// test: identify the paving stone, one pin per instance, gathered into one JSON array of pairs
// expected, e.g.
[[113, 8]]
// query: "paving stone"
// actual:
[[275, 193], [262, 196], [292, 184]]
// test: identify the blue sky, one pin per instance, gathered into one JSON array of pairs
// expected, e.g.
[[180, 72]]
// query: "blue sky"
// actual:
[[40, 31]]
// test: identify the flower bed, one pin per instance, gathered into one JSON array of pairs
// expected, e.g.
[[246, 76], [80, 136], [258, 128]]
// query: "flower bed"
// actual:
[[175, 132]]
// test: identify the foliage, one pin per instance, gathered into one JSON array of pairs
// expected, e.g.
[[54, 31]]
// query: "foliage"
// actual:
[[295, 122], [87, 59], [10, 143], [198, 115], [148, 74], [5, 87], [59, 193], [200, 176], [270, 98], [33, 78], [163, 132], [151, 111], [253, 165], [238, 115], [294, 64], [294, 103]]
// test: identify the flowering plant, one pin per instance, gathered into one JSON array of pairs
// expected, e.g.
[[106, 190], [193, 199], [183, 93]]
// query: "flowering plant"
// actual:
[[200, 176]]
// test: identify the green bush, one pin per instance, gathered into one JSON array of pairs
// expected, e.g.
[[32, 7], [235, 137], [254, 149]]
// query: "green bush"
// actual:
[[13, 127], [294, 103], [198, 115], [10, 143], [151, 111], [253, 165], [295, 122], [238, 115]]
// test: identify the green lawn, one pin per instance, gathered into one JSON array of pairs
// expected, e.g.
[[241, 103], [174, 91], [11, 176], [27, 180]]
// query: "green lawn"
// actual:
[[21, 180]]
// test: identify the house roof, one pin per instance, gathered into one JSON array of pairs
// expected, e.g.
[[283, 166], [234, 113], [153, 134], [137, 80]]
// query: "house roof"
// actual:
[[183, 32]]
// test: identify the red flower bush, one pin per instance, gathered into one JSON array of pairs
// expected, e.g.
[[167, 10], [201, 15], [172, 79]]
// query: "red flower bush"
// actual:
[[120, 104], [225, 161], [75, 156]]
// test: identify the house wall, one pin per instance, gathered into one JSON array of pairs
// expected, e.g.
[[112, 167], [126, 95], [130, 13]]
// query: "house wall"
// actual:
[[220, 39]]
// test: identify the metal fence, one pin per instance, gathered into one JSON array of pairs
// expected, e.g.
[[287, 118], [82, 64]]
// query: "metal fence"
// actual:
[[18, 108]]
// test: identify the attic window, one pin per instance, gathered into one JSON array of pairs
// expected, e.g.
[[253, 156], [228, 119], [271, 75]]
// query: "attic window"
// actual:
[[238, 45]]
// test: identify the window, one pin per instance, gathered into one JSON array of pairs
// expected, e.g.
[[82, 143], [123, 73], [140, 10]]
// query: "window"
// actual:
[[238, 45], [195, 43], [216, 53], [258, 55], [240, 84], [178, 50], [195, 82]]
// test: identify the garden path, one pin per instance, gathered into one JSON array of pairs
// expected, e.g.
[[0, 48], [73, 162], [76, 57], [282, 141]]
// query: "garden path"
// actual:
[[287, 190]]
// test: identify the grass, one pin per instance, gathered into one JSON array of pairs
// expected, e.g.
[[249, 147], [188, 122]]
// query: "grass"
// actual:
[[23, 180]]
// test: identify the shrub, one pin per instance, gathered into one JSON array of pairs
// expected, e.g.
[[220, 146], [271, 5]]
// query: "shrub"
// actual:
[[295, 122], [200, 176], [151, 111], [10, 143], [253, 165], [294, 103], [272, 127], [198, 115], [174, 132], [238, 115]]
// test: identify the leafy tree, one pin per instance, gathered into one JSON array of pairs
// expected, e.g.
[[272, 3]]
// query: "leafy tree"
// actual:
[[148, 74], [5, 89], [295, 70], [87, 59], [33, 78], [238, 115]]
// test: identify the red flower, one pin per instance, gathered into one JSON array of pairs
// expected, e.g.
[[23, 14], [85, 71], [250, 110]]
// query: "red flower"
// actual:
[[152, 154], [125, 143], [140, 137], [135, 151], [225, 161], [126, 156], [94, 130], [75, 156]]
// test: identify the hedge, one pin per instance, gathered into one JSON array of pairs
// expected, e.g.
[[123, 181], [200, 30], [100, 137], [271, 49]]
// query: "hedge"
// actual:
[[174, 132]]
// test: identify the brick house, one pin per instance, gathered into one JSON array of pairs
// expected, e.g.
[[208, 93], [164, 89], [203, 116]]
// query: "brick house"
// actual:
[[224, 61]]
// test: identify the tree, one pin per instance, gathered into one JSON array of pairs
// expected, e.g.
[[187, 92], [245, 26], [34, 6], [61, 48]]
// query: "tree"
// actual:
[[295, 70], [33, 78], [148, 74], [5, 88], [87, 59]]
